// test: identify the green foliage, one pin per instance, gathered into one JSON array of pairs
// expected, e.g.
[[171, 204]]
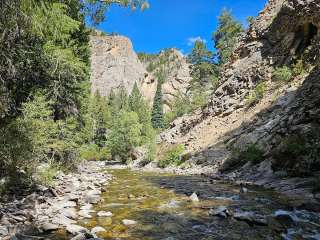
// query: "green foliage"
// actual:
[[252, 154], [250, 20], [298, 154], [92, 152], [298, 68], [257, 94], [172, 156], [282, 74], [125, 134], [151, 67], [46, 173], [157, 116], [227, 36], [138, 105]]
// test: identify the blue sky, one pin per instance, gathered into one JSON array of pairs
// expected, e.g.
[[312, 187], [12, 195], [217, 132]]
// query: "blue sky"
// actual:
[[175, 23]]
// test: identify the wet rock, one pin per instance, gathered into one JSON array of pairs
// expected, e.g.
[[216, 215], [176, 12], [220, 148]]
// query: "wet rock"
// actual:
[[62, 220], [86, 207], [69, 213], [104, 214], [3, 231], [221, 211], [80, 236], [128, 222], [85, 213], [194, 197], [48, 227], [97, 229], [76, 229], [251, 218], [92, 196]]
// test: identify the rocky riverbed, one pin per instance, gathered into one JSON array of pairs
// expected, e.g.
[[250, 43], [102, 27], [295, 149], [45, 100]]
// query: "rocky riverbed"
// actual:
[[57, 208]]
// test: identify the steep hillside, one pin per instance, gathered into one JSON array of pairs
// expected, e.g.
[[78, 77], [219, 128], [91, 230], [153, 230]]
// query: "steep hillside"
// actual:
[[280, 128]]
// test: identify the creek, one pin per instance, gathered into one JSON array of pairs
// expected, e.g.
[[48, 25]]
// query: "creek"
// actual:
[[159, 206]]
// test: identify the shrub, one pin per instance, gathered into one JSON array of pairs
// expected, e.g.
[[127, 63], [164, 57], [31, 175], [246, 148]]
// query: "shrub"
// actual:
[[151, 67], [282, 74], [298, 68], [257, 94], [238, 158], [90, 153], [150, 154], [298, 154], [105, 154], [172, 156], [46, 173]]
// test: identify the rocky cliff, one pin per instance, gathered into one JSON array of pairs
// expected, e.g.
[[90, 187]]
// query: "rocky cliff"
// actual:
[[113, 64], [284, 125], [175, 69]]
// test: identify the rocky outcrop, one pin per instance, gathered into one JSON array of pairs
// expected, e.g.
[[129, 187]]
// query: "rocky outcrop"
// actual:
[[114, 64], [286, 118], [176, 73]]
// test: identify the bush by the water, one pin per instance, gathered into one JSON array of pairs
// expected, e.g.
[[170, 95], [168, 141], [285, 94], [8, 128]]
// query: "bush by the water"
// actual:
[[172, 156], [94, 153], [252, 153], [298, 154]]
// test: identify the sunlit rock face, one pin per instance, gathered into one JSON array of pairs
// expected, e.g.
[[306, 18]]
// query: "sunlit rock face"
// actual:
[[114, 63]]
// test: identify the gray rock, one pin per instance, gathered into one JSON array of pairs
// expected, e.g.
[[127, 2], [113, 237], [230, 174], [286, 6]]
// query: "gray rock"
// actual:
[[48, 227], [221, 211], [4, 231], [92, 196], [85, 213], [97, 229], [194, 197], [86, 207], [251, 217], [69, 213], [62, 220], [104, 214], [128, 222], [76, 229]]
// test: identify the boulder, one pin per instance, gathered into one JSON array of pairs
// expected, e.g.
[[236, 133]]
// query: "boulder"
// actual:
[[97, 229], [76, 229], [92, 196], [69, 213], [104, 214], [128, 222], [251, 218], [3, 231], [48, 227], [221, 211], [194, 197]]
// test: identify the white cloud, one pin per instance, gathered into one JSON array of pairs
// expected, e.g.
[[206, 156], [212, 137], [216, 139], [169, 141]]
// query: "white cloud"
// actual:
[[192, 40]]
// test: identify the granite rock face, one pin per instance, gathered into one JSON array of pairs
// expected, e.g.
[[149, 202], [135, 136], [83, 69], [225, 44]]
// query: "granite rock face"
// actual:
[[114, 63]]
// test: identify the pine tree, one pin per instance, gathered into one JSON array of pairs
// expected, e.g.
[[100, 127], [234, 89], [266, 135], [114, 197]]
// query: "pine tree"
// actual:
[[157, 111], [138, 105], [135, 99], [204, 70], [227, 35]]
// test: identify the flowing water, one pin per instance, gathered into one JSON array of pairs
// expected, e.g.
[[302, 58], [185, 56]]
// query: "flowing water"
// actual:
[[161, 207]]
